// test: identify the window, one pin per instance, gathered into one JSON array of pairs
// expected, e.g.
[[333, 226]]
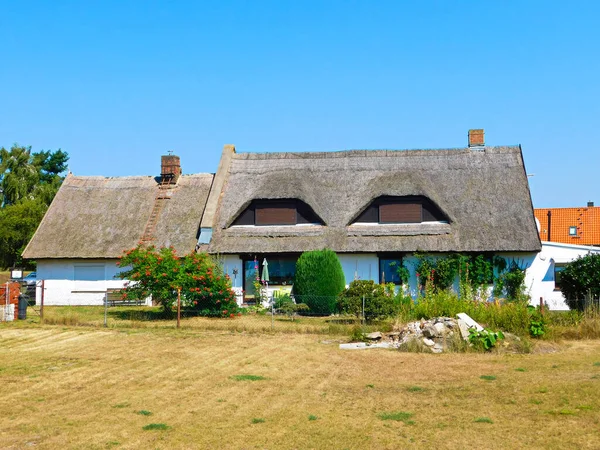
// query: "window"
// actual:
[[277, 212], [572, 231], [89, 272], [282, 269], [409, 209], [558, 268], [388, 269], [89, 278]]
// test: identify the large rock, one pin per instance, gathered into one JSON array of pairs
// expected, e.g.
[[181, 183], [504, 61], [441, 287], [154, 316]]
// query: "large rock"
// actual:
[[376, 336]]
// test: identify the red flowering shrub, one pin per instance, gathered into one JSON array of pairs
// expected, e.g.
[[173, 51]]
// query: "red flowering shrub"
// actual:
[[160, 273]]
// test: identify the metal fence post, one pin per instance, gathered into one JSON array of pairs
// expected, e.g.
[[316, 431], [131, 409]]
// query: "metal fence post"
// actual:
[[42, 303], [178, 307], [105, 309]]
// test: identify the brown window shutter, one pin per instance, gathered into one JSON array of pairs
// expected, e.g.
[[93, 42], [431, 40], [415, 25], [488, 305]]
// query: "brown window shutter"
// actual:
[[400, 213], [276, 215]]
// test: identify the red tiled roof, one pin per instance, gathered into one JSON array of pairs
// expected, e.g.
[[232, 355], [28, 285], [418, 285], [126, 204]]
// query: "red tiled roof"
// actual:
[[586, 221]]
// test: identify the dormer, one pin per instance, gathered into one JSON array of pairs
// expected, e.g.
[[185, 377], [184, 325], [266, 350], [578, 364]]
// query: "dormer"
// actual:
[[277, 212], [400, 210]]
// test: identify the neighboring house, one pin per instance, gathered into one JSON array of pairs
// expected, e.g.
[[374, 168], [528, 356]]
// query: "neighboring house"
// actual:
[[93, 220], [375, 209], [543, 276], [576, 226]]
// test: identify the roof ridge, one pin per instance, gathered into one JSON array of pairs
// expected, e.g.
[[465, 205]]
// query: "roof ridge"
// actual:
[[365, 152]]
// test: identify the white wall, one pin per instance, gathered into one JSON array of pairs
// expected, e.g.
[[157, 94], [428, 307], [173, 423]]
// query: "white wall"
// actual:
[[540, 276], [62, 288], [359, 266]]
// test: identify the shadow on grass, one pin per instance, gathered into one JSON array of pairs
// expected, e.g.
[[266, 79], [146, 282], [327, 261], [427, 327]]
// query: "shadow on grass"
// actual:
[[141, 315]]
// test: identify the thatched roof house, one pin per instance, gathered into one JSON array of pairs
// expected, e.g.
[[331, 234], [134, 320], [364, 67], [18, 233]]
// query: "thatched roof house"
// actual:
[[98, 217], [374, 208], [482, 194]]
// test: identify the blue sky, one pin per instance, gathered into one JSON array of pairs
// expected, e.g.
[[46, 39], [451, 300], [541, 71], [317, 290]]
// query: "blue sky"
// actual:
[[118, 83]]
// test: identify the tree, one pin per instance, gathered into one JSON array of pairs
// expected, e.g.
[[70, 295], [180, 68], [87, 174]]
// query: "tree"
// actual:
[[28, 183], [17, 174], [161, 272], [580, 279], [17, 225], [319, 280], [26, 175]]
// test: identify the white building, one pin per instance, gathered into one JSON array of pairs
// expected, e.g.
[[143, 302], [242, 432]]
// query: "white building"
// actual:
[[543, 276]]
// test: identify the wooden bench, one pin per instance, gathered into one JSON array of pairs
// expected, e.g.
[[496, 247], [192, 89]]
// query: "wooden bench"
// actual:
[[114, 297]]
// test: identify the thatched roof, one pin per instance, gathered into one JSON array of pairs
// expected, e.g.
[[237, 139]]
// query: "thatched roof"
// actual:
[[97, 217], [485, 195]]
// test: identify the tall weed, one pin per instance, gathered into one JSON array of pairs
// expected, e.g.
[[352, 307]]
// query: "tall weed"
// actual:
[[507, 316]]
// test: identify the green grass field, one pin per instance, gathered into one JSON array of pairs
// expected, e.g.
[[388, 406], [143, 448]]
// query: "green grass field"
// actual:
[[65, 386]]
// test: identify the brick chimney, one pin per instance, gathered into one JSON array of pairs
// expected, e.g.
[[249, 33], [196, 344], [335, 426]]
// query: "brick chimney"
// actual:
[[170, 168], [476, 138]]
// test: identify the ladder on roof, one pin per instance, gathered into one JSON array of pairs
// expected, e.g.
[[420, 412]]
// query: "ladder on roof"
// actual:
[[162, 195]]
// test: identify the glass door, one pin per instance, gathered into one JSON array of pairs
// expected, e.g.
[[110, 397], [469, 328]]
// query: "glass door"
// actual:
[[250, 274]]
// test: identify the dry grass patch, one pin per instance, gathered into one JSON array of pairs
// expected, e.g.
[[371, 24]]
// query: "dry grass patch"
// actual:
[[73, 387]]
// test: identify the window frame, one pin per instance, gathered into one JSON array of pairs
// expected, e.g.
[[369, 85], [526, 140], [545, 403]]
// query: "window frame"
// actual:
[[396, 257]]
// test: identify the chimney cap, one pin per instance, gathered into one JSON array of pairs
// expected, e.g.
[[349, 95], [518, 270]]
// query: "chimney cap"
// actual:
[[590, 204]]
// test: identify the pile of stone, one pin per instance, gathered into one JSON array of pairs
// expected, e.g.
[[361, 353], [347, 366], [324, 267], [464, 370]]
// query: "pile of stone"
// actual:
[[432, 334]]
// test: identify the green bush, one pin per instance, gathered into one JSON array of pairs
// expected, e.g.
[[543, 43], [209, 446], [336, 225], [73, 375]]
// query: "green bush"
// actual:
[[581, 279], [379, 302], [319, 280], [161, 273]]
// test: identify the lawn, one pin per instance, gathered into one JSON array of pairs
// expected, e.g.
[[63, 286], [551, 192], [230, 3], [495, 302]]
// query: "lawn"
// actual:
[[82, 387]]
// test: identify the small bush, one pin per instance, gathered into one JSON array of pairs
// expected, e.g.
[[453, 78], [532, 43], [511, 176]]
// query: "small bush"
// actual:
[[537, 322], [379, 302], [286, 305], [485, 339], [319, 280]]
